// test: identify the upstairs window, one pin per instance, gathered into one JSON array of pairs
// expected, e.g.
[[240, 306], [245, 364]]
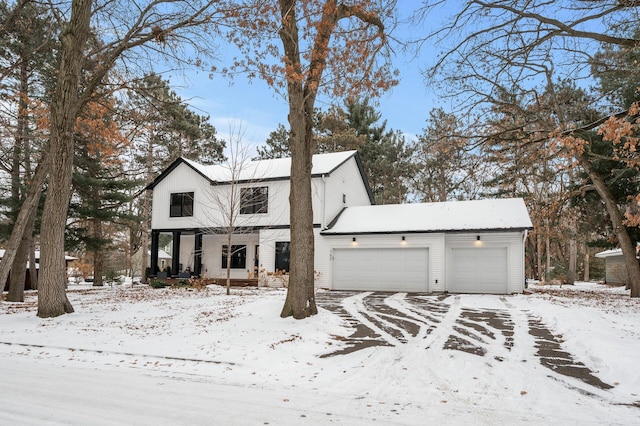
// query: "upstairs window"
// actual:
[[237, 254], [283, 250], [181, 204], [254, 200]]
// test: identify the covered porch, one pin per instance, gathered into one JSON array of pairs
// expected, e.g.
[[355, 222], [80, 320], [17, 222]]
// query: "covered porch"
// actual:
[[206, 254]]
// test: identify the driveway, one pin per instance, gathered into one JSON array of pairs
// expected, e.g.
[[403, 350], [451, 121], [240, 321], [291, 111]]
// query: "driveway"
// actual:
[[442, 322]]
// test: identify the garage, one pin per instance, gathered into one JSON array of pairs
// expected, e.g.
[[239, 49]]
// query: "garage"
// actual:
[[458, 247], [479, 270], [381, 269]]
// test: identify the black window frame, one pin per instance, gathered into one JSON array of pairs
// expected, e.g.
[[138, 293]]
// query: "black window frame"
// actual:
[[238, 256], [181, 204], [283, 256], [254, 200]]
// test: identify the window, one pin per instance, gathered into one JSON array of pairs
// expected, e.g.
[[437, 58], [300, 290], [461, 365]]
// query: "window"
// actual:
[[254, 200], [181, 204], [238, 256], [283, 249]]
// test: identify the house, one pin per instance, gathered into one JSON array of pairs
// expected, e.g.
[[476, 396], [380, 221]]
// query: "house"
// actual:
[[164, 260], [466, 247], [27, 284], [615, 271]]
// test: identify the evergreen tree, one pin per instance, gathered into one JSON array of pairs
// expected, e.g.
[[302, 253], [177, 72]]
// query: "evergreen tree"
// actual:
[[386, 156], [162, 128]]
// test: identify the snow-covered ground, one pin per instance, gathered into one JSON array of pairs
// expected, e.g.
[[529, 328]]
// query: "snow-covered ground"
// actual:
[[135, 355]]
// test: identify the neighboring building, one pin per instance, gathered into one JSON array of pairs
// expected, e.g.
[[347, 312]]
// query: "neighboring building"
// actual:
[[27, 283], [164, 260], [466, 247], [615, 271]]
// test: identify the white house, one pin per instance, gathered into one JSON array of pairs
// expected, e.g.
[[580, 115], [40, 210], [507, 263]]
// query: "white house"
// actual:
[[466, 247]]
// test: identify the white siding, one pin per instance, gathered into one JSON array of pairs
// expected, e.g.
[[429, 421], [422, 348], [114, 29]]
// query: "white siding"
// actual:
[[182, 179], [268, 239], [212, 255], [511, 241], [347, 181]]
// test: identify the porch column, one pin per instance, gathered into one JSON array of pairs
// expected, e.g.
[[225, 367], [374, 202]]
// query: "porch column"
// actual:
[[155, 237], [197, 255], [175, 255]]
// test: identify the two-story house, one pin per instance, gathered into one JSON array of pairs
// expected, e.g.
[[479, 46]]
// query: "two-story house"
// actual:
[[471, 246]]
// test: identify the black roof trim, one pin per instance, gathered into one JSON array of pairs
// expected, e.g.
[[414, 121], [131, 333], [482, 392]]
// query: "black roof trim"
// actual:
[[171, 168], [335, 219], [221, 230], [439, 231]]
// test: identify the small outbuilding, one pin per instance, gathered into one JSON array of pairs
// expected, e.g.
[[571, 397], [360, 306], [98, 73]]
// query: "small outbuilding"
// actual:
[[615, 271]]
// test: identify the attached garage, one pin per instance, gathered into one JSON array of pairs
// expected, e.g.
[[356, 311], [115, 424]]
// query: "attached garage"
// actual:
[[457, 247], [381, 269], [479, 270]]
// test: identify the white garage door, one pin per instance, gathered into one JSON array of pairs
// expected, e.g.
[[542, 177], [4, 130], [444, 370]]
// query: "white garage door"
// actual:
[[479, 270], [381, 269]]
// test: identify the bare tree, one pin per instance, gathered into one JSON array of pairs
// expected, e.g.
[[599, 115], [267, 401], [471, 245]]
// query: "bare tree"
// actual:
[[168, 24], [324, 46], [520, 46]]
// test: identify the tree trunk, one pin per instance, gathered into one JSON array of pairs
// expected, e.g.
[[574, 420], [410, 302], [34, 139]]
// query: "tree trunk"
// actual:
[[573, 260], [617, 220], [300, 301], [29, 207], [547, 246], [19, 267], [146, 211], [98, 255], [539, 254], [33, 272], [586, 277], [52, 299]]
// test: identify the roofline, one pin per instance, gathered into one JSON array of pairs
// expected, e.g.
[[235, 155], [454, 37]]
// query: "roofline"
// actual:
[[363, 175], [171, 168], [450, 231], [223, 230]]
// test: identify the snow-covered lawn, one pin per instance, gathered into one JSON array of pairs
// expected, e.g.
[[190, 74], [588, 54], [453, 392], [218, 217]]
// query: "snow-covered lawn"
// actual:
[[135, 355]]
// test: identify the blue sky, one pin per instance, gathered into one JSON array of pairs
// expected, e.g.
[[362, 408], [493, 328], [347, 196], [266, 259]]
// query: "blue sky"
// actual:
[[254, 109]]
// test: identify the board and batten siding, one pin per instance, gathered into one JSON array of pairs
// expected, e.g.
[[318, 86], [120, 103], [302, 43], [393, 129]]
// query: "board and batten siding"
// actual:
[[434, 242], [182, 179], [512, 241], [348, 181], [212, 255]]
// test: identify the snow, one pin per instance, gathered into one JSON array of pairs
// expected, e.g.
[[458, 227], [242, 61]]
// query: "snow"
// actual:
[[609, 253], [136, 355], [490, 214], [322, 164]]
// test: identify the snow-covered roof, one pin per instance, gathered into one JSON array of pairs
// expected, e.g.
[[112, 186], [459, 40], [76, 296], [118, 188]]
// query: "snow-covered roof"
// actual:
[[478, 215], [37, 253], [609, 253], [278, 168]]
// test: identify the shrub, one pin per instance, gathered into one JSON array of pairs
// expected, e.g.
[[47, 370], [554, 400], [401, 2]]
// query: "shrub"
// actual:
[[182, 283], [159, 284]]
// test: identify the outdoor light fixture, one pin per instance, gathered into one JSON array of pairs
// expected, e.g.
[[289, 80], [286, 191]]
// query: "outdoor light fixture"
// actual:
[[478, 238], [354, 239], [403, 238]]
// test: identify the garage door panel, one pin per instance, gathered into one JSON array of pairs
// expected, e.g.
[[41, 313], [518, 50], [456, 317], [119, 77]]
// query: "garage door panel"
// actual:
[[381, 269], [479, 270]]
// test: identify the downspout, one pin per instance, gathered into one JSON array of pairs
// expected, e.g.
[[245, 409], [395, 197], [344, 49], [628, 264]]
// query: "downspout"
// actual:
[[324, 202], [524, 257]]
